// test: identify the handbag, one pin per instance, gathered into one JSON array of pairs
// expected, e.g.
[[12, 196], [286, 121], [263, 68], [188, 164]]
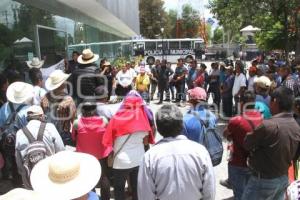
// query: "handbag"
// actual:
[[111, 157]]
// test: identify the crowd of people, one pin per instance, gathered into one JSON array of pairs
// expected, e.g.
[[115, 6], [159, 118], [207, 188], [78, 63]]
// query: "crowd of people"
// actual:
[[114, 138]]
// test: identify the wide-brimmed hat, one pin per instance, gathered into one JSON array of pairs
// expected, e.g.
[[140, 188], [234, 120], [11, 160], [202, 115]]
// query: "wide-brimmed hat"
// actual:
[[35, 110], [262, 82], [66, 175], [87, 57], [19, 92], [106, 63], [35, 63], [56, 79], [229, 67], [23, 194], [198, 94]]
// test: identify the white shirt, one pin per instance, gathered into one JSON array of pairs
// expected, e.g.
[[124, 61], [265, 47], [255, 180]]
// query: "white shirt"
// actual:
[[132, 152], [239, 81], [176, 169], [108, 110], [125, 79], [52, 140], [251, 83], [38, 94]]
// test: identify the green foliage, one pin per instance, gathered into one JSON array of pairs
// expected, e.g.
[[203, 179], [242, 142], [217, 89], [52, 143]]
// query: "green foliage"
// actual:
[[152, 17], [119, 62], [170, 29], [190, 22], [218, 36]]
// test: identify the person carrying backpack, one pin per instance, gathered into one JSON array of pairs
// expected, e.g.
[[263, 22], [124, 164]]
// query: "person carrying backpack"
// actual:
[[200, 125], [12, 118], [35, 142]]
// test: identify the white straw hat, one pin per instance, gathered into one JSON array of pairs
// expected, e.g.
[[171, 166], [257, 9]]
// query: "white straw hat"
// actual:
[[19, 92], [56, 79], [87, 57], [35, 110], [23, 194], [35, 63], [66, 175]]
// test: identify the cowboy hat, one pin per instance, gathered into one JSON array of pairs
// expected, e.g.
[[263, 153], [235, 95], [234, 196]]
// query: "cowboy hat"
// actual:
[[229, 67], [106, 63], [87, 57], [66, 175], [19, 92], [23, 194], [35, 63], [56, 79], [35, 110], [262, 82]]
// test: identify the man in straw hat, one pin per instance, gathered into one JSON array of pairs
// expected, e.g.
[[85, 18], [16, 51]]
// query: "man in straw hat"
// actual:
[[86, 78], [109, 72], [58, 105], [67, 175], [48, 134], [35, 63], [12, 118], [23, 194]]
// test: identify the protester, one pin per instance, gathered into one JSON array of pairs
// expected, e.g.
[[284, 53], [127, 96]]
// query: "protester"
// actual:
[[214, 84], [88, 132], [179, 81], [237, 128], [226, 91], [287, 79], [153, 78], [124, 79], [252, 76], [193, 128], [126, 132], [36, 78], [85, 78], [3, 89], [58, 105], [239, 85], [262, 99], [164, 74], [170, 83], [108, 71], [23, 194], [142, 83], [192, 74], [202, 77], [67, 175], [47, 134], [35, 63], [273, 146], [175, 168], [73, 63], [13, 117]]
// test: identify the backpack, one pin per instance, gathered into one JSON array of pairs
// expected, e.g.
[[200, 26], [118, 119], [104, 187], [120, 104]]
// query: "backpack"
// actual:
[[35, 151], [9, 130], [212, 141]]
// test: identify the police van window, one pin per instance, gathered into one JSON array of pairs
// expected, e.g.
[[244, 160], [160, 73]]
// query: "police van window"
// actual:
[[173, 45], [150, 45], [185, 44]]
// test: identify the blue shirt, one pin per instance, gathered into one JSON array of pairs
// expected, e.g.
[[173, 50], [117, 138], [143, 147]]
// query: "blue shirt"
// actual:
[[263, 109], [5, 112], [193, 128], [265, 100], [93, 196]]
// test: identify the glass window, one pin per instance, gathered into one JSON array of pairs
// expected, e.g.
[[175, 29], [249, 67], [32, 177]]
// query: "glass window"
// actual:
[[173, 45], [159, 45], [150, 45], [185, 45], [199, 45]]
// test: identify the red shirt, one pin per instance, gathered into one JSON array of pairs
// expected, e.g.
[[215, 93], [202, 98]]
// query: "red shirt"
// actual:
[[238, 128], [89, 136]]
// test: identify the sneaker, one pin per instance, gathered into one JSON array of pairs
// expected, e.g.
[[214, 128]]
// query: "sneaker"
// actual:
[[226, 183], [159, 103], [167, 100]]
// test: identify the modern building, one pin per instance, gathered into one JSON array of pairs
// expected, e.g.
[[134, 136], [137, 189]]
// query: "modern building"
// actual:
[[52, 25]]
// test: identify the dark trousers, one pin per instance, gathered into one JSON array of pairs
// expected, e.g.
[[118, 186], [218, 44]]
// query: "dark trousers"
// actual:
[[153, 89], [104, 180], [120, 176], [180, 91], [214, 89], [227, 106], [171, 89], [163, 87]]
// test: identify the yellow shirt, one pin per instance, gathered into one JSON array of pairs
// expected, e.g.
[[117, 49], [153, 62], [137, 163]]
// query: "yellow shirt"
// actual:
[[142, 82]]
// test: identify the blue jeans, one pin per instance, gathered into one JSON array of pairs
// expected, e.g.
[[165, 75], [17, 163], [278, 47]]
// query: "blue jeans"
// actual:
[[266, 189], [238, 177]]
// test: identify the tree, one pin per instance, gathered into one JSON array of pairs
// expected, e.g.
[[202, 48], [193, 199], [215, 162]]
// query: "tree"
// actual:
[[190, 22], [218, 36], [277, 19], [170, 29], [152, 17]]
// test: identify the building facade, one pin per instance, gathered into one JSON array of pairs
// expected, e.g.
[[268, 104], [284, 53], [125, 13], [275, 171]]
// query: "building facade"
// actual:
[[45, 28]]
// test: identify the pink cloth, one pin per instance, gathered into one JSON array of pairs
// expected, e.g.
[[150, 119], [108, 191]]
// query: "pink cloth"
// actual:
[[197, 93]]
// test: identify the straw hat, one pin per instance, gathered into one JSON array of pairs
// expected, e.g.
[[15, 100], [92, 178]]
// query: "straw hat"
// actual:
[[263, 82], [35, 63], [19, 92], [56, 79], [87, 57], [22, 194], [66, 175], [106, 63], [35, 110]]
